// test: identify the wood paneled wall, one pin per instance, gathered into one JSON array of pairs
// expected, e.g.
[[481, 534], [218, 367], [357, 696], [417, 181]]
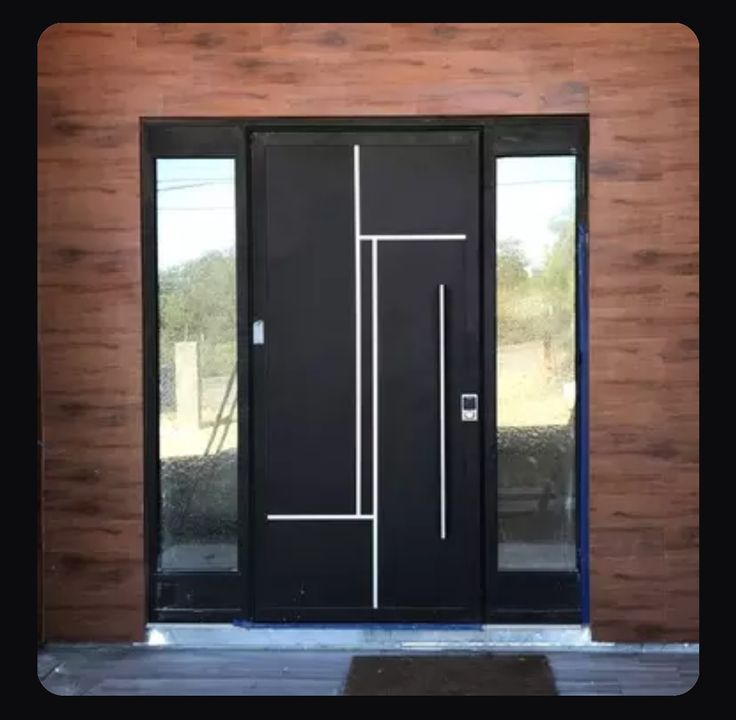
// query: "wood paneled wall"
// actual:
[[640, 84]]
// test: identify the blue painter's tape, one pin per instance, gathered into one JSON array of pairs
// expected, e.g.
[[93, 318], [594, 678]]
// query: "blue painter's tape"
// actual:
[[359, 626], [583, 441]]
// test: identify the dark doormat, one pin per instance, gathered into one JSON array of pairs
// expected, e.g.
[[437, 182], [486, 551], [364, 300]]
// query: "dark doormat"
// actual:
[[450, 675]]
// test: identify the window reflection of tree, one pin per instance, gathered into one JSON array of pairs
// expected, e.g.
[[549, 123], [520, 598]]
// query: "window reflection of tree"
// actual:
[[537, 460]]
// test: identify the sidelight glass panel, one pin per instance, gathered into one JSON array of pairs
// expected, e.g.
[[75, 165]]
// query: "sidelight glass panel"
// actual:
[[198, 411], [535, 363]]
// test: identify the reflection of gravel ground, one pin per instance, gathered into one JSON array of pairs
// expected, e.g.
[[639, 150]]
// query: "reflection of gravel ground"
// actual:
[[199, 500], [181, 442]]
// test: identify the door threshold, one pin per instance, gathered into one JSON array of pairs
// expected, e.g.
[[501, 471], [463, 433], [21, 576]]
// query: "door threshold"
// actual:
[[377, 637]]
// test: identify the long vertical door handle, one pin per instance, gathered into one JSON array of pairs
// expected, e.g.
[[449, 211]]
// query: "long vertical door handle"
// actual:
[[443, 416]]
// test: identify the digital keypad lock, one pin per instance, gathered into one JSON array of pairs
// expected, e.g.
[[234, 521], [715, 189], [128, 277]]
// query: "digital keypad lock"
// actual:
[[469, 407]]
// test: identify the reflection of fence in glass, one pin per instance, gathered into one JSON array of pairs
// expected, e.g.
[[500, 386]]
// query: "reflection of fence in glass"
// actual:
[[198, 462], [197, 349], [199, 413]]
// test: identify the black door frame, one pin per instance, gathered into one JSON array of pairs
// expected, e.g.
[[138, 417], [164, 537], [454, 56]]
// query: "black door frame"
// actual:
[[217, 597]]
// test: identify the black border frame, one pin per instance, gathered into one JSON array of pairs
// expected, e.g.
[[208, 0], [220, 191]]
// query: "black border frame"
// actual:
[[230, 596], [508, 593], [218, 595]]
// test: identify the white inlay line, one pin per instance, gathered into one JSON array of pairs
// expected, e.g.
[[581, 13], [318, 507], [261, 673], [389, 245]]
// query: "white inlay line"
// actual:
[[320, 517], [374, 411], [358, 336], [413, 237], [443, 457]]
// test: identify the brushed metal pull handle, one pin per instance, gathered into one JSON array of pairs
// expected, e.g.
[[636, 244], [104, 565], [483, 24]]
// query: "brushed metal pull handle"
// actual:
[[442, 409]]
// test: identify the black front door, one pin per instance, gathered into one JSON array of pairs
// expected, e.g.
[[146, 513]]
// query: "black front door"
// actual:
[[367, 502]]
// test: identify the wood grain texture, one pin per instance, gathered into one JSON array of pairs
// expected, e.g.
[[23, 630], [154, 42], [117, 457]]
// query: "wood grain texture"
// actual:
[[125, 670], [640, 85]]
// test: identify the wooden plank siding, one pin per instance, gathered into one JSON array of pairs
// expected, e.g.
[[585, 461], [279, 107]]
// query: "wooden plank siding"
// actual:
[[640, 85]]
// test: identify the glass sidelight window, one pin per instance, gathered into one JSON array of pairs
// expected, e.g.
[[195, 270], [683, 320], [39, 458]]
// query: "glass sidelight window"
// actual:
[[535, 362], [198, 409]]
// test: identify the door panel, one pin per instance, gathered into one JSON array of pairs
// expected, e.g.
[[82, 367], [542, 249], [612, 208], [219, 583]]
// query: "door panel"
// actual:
[[309, 330], [430, 187], [324, 549], [427, 189], [321, 564], [419, 568]]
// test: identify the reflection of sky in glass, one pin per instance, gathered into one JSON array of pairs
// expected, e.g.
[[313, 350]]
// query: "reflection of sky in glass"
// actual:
[[196, 204], [531, 192], [196, 208]]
